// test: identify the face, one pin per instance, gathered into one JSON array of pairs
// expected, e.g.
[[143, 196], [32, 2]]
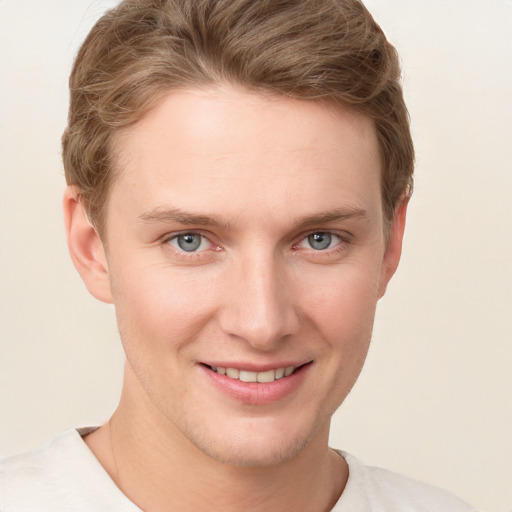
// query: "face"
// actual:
[[246, 255]]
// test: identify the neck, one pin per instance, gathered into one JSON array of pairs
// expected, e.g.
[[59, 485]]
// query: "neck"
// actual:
[[159, 469]]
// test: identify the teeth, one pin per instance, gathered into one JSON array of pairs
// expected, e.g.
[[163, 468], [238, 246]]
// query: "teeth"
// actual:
[[269, 376], [233, 373], [247, 376]]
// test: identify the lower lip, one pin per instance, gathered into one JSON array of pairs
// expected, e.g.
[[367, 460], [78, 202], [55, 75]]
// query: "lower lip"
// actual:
[[257, 393]]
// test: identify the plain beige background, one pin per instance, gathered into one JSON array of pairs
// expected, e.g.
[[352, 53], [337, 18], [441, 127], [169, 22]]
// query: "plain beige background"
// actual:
[[435, 398]]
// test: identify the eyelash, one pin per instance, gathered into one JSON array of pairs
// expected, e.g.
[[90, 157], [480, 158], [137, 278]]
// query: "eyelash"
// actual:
[[343, 242]]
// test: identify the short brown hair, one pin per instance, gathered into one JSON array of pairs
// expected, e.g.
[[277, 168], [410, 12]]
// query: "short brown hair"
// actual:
[[307, 49]]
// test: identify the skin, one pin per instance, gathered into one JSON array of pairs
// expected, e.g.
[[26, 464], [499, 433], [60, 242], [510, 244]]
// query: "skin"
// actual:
[[256, 176]]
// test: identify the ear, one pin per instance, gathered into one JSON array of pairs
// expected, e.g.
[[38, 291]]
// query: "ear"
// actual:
[[393, 246], [86, 247]]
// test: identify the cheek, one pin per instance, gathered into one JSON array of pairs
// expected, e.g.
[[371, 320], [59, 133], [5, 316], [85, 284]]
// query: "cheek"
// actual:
[[342, 299], [157, 308]]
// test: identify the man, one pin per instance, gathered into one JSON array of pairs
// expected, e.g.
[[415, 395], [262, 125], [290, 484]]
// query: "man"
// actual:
[[238, 174]]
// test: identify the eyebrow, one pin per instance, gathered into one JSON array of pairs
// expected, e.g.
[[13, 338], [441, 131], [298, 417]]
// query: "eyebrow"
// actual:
[[182, 217], [158, 215], [331, 216]]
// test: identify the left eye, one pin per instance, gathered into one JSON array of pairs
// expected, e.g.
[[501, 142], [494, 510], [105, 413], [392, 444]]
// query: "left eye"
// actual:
[[190, 242], [320, 241]]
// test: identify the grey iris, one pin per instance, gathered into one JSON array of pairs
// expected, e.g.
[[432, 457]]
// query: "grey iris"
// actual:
[[319, 241], [189, 241]]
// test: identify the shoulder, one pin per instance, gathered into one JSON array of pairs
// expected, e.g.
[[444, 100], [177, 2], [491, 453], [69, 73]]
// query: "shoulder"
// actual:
[[381, 490], [38, 468], [62, 475]]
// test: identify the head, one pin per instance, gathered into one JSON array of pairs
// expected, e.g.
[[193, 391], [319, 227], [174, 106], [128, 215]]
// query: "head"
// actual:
[[317, 50], [245, 167]]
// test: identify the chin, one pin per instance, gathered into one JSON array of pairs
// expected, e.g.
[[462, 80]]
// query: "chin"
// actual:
[[255, 443], [254, 453]]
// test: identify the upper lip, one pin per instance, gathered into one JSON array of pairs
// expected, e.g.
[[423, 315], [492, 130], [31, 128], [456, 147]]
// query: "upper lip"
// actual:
[[253, 367]]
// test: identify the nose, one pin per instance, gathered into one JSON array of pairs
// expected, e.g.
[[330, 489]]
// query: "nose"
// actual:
[[258, 303]]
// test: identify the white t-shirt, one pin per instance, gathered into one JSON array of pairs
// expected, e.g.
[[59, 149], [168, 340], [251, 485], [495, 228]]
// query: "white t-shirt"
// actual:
[[65, 476]]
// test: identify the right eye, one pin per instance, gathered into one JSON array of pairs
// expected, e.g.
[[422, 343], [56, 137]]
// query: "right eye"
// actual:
[[189, 242]]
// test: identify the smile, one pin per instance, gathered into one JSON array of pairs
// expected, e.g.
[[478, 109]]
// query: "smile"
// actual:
[[255, 385], [248, 376]]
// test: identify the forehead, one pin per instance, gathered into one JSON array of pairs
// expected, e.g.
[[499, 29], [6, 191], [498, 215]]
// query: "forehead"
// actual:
[[239, 150]]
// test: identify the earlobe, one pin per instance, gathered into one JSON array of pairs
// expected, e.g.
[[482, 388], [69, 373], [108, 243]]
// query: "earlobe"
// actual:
[[394, 246], [85, 247]]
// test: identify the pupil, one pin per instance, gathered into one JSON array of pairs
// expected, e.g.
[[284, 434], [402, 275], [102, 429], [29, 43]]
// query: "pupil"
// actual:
[[189, 242], [320, 241]]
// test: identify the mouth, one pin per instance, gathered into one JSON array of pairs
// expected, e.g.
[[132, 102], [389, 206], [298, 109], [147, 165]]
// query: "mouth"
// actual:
[[256, 385], [263, 377]]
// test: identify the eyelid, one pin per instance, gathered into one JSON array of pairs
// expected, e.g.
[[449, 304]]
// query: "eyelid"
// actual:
[[174, 234]]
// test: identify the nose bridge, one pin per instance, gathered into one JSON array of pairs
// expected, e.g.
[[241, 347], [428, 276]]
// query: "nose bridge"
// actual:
[[259, 306]]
